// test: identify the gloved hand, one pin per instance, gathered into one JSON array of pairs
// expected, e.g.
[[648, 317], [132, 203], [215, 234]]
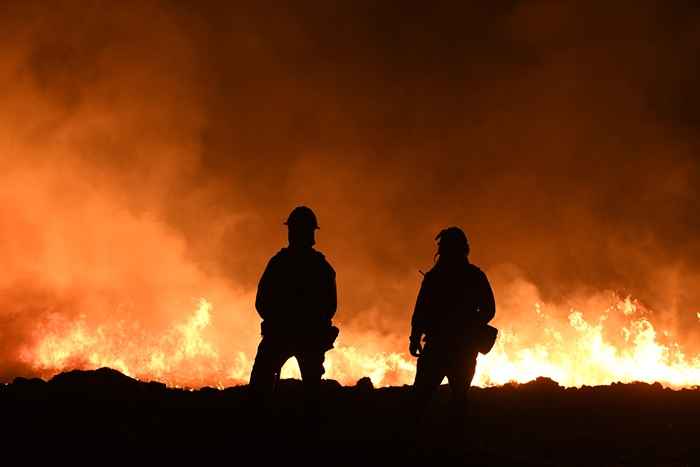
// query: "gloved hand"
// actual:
[[415, 348]]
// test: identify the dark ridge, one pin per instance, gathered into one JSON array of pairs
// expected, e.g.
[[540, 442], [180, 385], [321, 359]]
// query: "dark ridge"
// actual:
[[536, 423]]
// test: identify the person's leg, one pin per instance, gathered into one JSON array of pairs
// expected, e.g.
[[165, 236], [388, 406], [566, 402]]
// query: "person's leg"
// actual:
[[311, 369], [266, 367], [459, 376], [429, 374]]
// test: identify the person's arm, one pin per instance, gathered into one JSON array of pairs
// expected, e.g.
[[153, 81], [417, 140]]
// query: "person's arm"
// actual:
[[419, 319], [330, 302], [264, 299], [487, 302]]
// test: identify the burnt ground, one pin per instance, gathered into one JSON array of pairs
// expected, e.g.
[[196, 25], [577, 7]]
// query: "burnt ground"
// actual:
[[539, 423]]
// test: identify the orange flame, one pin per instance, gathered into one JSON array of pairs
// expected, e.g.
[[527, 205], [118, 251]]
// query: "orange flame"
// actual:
[[574, 353], [581, 354]]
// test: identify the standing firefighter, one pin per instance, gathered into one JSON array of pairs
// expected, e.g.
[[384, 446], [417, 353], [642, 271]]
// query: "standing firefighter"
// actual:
[[296, 299], [454, 305]]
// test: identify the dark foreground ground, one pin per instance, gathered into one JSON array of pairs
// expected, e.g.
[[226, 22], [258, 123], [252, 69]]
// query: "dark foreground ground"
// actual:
[[538, 423]]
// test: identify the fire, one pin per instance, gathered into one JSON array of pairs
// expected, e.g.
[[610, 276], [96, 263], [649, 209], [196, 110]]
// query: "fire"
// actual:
[[182, 355], [585, 357], [620, 344]]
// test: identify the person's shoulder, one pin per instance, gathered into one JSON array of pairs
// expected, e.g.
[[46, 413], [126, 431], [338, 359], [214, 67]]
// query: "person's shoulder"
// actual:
[[476, 271], [279, 257], [282, 253], [431, 275], [321, 258]]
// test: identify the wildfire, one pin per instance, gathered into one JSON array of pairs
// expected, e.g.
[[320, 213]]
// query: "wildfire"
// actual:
[[580, 355], [621, 344], [181, 355]]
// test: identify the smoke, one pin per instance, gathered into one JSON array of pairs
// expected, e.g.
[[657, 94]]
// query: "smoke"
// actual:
[[151, 150], [98, 138]]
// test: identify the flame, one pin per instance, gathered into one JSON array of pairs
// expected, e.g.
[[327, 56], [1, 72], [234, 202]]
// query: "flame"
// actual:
[[181, 356], [586, 357], [620, 345]]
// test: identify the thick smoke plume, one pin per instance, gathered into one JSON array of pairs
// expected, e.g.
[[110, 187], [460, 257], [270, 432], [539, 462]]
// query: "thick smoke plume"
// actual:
[[150, 151]]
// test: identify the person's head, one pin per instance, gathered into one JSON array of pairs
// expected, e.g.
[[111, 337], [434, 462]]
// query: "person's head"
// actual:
[[301, 226], [452, 244]]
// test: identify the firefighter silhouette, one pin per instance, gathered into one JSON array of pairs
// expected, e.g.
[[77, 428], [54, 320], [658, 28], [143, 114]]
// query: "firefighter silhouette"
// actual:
[[296, 300], [454, 305]]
